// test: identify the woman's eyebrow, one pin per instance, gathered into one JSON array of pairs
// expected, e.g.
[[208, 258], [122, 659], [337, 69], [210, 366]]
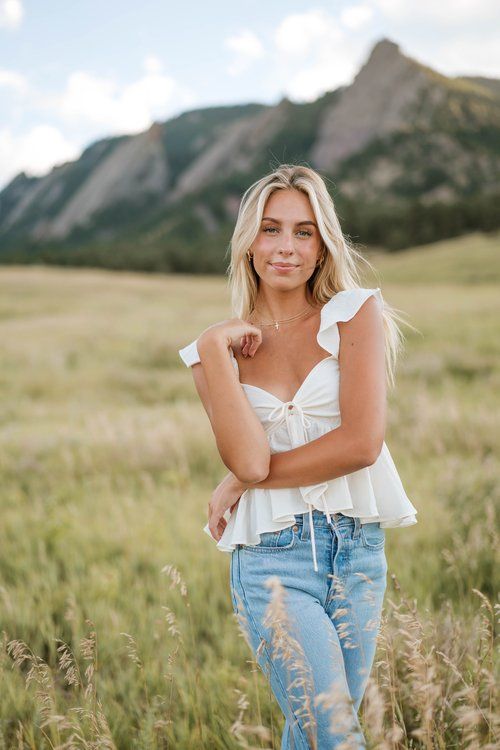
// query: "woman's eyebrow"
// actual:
[[298, 223]]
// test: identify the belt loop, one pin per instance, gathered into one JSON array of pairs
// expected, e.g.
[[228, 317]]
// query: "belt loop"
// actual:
[[357, 528], [305, 533]]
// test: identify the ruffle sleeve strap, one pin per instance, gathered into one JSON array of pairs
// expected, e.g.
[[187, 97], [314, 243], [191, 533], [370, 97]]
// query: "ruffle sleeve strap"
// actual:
[[339, 309], [189, 354]]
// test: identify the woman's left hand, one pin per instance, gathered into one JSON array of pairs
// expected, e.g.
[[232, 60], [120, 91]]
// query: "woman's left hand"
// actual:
[[226, 495]]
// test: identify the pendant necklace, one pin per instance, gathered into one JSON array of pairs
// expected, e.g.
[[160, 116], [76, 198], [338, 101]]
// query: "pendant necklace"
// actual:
[[276, 323]]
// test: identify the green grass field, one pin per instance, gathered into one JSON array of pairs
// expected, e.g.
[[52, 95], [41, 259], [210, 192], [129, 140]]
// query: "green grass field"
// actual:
[[115, 611]]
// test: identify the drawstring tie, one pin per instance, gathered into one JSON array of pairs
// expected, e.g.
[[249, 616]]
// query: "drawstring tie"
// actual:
[[285, 412]]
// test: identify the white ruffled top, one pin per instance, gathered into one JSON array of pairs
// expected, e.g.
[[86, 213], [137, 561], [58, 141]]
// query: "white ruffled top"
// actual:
[[374, 493]]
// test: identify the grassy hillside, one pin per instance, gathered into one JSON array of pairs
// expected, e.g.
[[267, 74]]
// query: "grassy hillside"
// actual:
[[469, 260], [107, 462]]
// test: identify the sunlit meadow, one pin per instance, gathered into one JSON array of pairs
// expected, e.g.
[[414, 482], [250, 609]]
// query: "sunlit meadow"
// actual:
[[115, 612]]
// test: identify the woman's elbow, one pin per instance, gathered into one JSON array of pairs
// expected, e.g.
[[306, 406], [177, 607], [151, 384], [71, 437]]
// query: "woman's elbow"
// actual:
[[364, 449], [254, 472], [370, 451]]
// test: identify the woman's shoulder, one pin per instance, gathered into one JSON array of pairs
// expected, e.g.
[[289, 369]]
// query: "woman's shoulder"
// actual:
[[339, 309]]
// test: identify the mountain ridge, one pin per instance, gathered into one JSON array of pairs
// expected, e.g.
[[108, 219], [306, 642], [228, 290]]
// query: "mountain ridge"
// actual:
[[400, 134]]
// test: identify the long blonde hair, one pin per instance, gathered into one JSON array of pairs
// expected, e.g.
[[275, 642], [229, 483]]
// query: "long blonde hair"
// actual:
[[339, 270]]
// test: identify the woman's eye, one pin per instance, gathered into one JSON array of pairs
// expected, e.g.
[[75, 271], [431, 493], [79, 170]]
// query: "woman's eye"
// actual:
[[301, 231]]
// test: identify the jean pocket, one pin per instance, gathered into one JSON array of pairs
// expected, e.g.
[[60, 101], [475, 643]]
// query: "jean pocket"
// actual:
[[274, 541], [372, 535]]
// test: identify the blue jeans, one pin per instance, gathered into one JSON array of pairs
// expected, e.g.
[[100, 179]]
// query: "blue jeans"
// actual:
[[314, 637]]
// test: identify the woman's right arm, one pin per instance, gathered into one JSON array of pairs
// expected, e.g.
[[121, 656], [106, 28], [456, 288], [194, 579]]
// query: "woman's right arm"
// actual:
[[240, 437]]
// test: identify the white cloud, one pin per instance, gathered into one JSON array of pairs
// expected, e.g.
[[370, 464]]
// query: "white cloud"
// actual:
[[314, 54], [468, 56], [446, 12], [11, 13], [356, 16], [300, 34], [91, 107], [90, 99], [247, 48], [34, 152], [455, 37], [11, 80]]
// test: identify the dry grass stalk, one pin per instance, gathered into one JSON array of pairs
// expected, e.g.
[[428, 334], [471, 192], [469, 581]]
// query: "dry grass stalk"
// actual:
[[88, 719], [190, 654], [239, 729], [285, 646]]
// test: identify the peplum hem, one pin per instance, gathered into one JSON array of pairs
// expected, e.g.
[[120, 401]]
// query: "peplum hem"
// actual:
[[374, 493]]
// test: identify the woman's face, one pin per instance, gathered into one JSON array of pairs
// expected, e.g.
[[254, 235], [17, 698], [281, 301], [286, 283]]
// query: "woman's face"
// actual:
[[288, 235]]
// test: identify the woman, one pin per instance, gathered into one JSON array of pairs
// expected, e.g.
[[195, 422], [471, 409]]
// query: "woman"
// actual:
[[311, 478]]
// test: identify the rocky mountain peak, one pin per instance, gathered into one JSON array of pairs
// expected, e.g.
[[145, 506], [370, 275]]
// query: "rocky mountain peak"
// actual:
[[375, 104]]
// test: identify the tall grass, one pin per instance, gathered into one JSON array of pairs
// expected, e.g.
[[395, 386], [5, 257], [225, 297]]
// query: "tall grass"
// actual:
[[115, 613]]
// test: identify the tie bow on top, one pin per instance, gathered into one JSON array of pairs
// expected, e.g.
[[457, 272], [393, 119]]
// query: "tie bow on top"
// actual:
[[284, 412]]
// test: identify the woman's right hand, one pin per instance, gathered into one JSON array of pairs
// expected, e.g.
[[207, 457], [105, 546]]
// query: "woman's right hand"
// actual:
[[236, 331]]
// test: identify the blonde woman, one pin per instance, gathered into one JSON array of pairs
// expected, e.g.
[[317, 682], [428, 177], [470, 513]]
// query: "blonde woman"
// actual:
[[294, 386]]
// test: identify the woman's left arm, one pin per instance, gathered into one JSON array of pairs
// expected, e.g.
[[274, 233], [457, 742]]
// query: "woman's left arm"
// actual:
[[358, 440]]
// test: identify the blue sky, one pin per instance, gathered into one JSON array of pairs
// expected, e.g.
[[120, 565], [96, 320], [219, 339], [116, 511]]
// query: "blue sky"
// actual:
[[71, 73]]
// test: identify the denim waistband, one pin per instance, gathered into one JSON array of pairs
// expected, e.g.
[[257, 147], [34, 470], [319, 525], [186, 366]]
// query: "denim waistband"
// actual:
[[320, 518]]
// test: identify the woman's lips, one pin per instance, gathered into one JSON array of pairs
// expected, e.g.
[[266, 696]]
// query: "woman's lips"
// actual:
[[282, 268]]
